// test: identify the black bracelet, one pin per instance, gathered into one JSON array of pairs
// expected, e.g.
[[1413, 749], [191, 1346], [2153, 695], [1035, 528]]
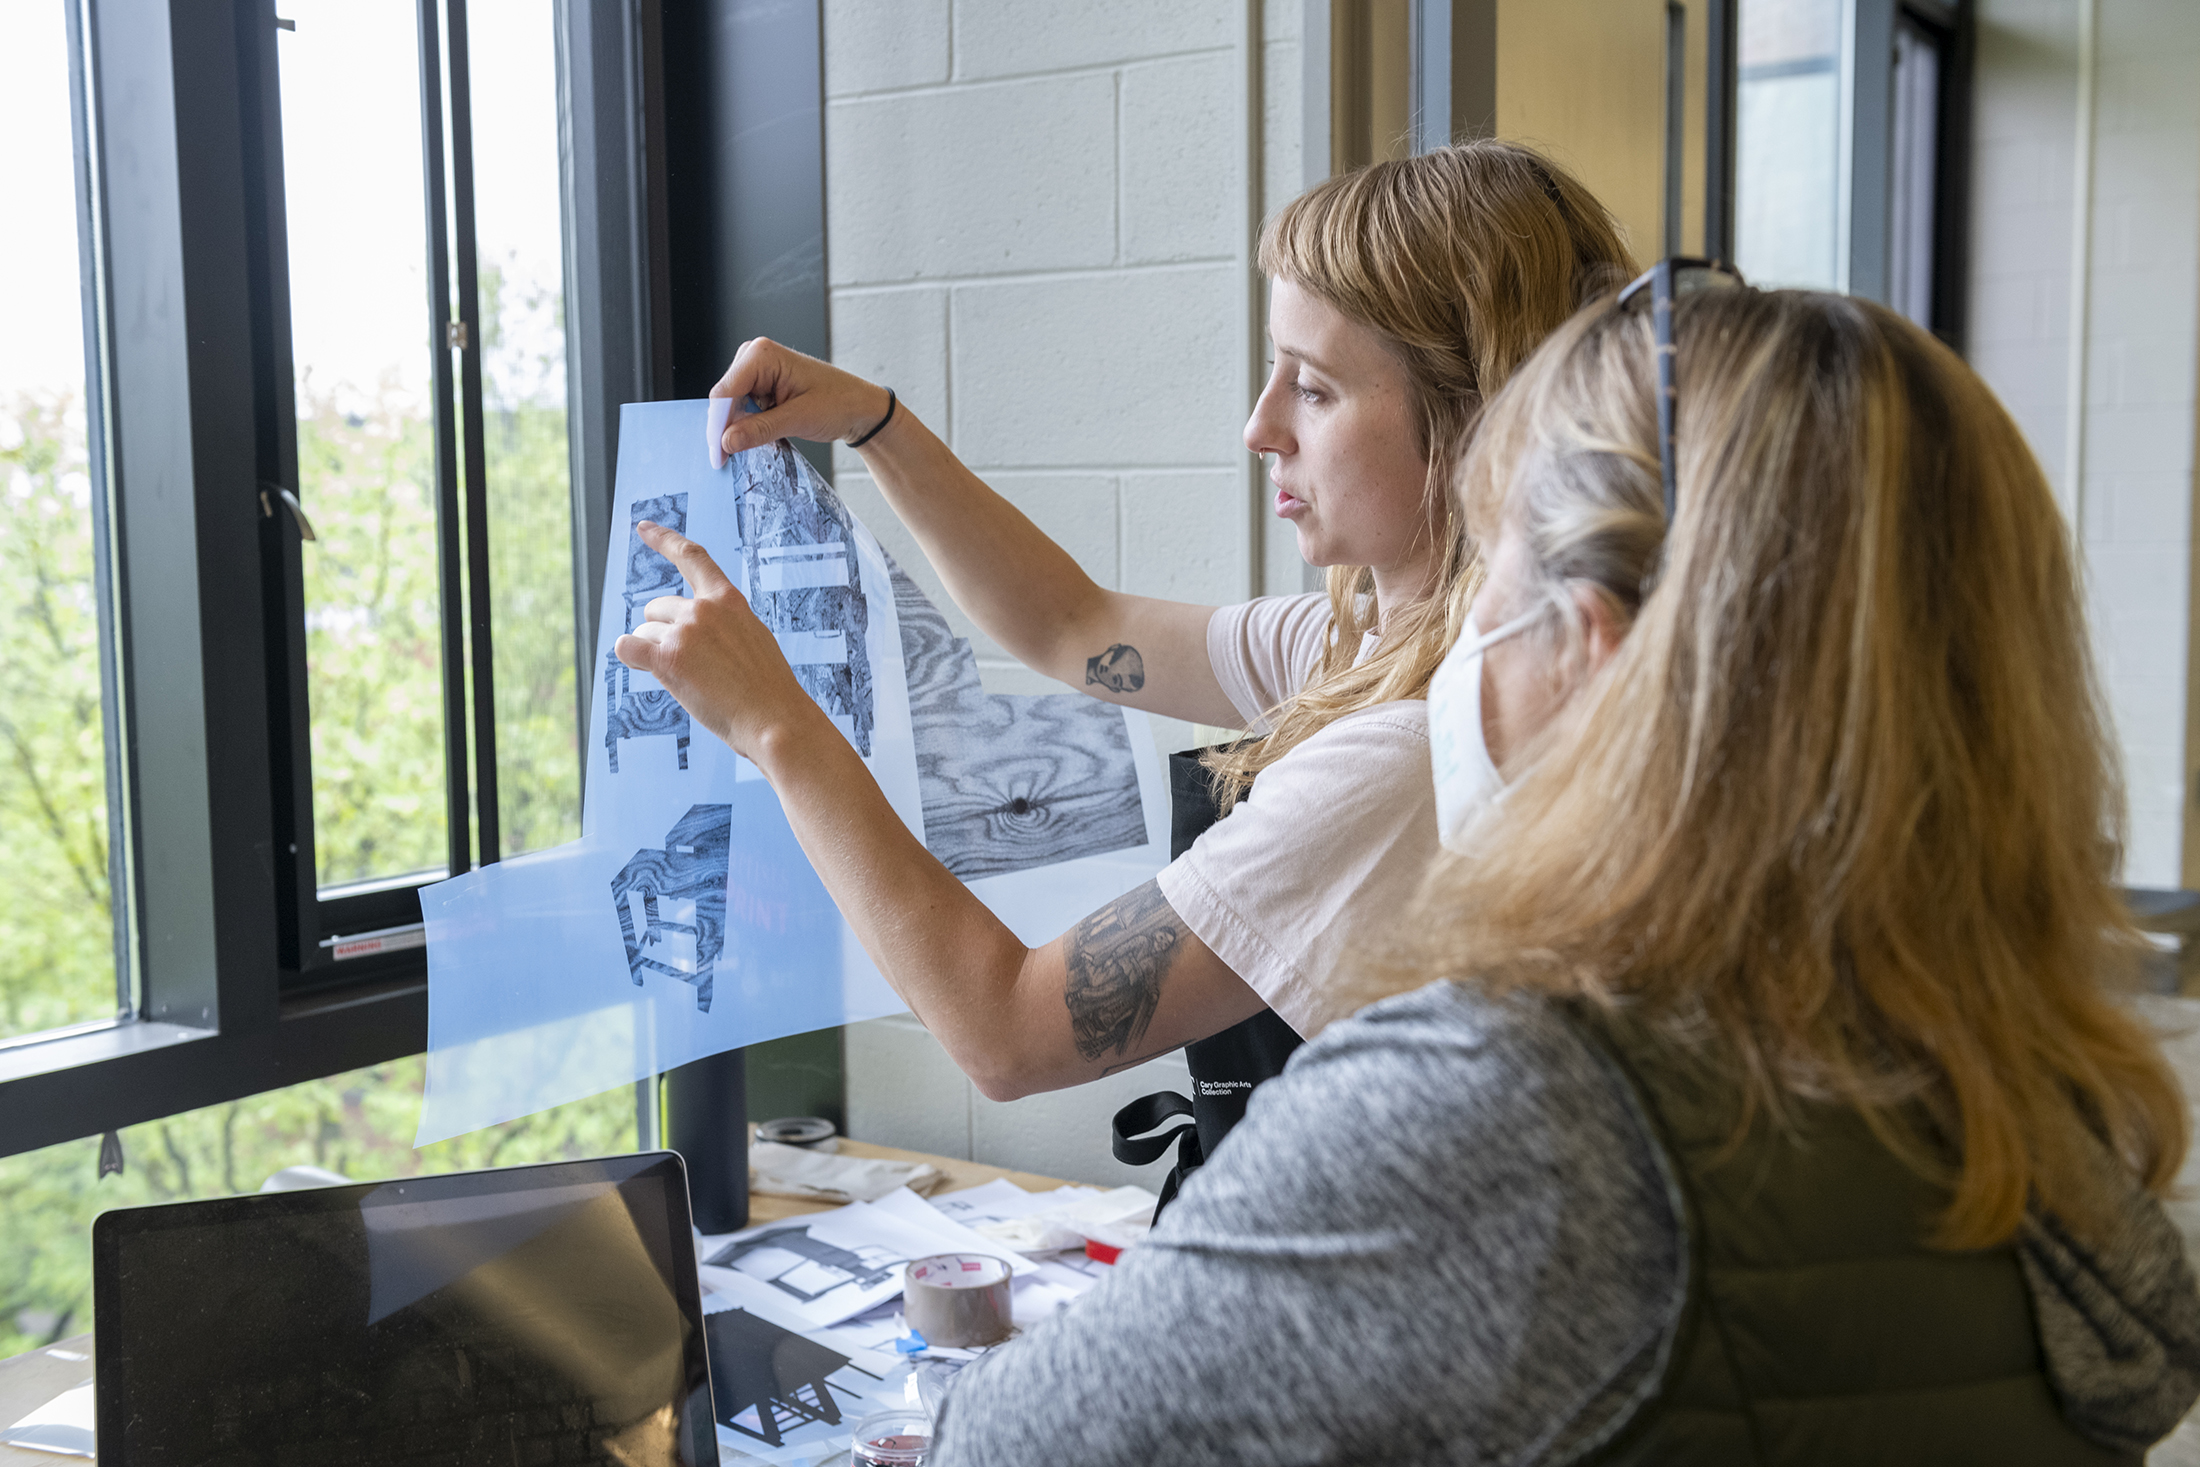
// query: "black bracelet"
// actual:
[[882, 422]]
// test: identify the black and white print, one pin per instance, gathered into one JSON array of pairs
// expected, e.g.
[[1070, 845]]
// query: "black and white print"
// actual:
[[648, 711], [686, 879], [1009, 782], [798, 542]]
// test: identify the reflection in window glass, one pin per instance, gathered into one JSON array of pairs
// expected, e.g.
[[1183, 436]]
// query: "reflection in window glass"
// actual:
[[1916, 147], [513, 74], [359, 1125], [353, 184], [1787, 172], [57, 963]]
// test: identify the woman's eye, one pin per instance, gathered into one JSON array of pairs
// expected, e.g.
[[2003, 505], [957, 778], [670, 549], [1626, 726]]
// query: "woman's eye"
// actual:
[[1306, 393]]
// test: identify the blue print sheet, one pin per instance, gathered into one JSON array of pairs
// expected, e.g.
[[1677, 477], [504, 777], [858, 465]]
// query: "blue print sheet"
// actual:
[[686, 920]]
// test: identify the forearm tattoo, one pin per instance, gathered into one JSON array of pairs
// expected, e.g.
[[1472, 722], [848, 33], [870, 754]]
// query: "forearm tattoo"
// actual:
[[1119, 669], [1117, 960]]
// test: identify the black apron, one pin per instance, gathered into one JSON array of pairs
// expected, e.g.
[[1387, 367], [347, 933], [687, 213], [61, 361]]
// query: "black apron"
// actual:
[[1225, 1067]]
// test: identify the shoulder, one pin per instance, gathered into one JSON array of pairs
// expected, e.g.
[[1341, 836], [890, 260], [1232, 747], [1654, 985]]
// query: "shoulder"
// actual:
[[1270, 616], [1447, 1100], [1446, 1060], [1263, 650], [1418, 1278], [1367, 769], [1485, 1154], [1401, 724], [1453, 1113], [1312, 866]]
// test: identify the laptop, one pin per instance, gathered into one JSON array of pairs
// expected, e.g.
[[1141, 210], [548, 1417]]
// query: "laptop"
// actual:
[[535, 1314]]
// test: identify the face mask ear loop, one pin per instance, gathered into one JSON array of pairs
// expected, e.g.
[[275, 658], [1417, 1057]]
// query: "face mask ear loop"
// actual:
[[1509, 629]]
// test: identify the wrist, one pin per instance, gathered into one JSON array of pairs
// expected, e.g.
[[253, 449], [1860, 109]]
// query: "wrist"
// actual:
[[868, 431], [785, 748]]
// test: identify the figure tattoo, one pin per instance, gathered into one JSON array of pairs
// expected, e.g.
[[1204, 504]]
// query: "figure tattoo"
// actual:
[[1117, 960], [1119, 669]]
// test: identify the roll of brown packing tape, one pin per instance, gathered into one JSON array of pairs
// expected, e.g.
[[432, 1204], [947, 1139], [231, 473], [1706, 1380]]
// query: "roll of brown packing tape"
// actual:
[[958, 1299]]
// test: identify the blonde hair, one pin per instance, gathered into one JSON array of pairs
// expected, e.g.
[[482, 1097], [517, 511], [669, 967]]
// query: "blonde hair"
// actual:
[[1843, 800], [1461, 260]]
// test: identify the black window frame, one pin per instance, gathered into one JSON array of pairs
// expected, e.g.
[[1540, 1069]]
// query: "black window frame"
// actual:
[[177, 103]]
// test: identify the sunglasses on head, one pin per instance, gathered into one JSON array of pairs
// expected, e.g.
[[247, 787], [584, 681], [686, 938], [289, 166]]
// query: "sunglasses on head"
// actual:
[[1666, 281]]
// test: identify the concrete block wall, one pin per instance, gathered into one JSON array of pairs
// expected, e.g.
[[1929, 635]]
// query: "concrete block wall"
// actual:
[[2123, 463], [1039, 232], [903, 1090]]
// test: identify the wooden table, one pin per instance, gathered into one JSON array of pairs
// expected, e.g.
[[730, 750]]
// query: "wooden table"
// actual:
[[960, 1174], [31, 1379]]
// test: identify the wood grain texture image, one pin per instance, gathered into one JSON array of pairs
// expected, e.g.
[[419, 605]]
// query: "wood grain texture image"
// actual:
[[1010, 782], [803, 581]]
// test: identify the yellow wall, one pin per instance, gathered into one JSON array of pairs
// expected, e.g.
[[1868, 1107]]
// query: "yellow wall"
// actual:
[[1584, 81]]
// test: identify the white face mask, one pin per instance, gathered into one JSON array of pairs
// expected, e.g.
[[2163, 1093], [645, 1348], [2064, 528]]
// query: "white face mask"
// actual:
[[1467, 780]]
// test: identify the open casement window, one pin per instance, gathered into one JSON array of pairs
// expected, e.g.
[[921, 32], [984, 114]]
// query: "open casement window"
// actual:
[[383, 270], [416, 334]]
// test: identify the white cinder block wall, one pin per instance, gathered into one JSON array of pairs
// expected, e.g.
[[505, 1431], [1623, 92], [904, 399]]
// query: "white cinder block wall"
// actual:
[[1039, 233], [2127, 276]]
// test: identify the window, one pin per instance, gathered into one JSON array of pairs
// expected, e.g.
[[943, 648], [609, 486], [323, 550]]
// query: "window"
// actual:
[[1919, 198], [1851, 150], [1787, 183], [425, 284], [343, 266], [57, 949], [365, 381], [321, 295]]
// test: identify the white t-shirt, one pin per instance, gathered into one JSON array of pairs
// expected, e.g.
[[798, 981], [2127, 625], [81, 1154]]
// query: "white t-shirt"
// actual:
[[1314, 866]]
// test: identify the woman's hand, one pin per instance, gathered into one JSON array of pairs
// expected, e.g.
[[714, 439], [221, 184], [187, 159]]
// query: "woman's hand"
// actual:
[[800, 397], [717, 658]]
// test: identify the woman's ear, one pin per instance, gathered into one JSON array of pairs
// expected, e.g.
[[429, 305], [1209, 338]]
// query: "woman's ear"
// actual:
[[1603, 625]]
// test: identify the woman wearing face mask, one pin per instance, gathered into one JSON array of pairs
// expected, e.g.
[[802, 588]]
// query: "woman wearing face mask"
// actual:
[[1402, 294], [1778, 1114]]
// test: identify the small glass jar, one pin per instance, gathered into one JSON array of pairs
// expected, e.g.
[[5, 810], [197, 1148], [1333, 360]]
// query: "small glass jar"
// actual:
[[897, 1438]]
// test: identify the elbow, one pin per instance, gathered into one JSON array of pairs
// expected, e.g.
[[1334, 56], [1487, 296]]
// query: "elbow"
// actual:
[[1003, 1079]]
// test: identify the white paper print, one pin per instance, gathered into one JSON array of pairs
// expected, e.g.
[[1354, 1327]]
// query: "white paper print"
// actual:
[[686, 920]]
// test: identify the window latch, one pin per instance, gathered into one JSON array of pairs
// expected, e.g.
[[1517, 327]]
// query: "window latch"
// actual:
[[290, 502], [457, 334]]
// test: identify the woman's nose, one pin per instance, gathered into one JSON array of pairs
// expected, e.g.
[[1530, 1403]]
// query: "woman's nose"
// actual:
[[1264, 431]]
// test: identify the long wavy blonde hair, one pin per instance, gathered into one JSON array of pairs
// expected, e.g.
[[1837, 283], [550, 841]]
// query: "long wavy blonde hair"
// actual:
[[1843, 802], [1461, 260]]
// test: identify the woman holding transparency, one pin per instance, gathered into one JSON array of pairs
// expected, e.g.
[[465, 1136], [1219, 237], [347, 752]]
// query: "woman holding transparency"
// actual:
[[1402, 296]]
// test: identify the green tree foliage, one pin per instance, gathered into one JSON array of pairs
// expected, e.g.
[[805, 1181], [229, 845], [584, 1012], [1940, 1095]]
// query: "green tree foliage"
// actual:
[[366, 468], [56, 940], [360, 1125], [530, 562], [374, 663], [373, 646]]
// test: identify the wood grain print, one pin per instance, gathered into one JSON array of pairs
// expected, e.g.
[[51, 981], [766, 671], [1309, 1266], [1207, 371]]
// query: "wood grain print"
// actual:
[[1010, 782]]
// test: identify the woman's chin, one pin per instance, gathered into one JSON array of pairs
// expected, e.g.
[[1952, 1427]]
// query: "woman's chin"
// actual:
[[1323, 557]]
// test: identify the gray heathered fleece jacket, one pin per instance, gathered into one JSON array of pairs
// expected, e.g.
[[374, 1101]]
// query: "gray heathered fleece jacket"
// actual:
[[1444, 1236]]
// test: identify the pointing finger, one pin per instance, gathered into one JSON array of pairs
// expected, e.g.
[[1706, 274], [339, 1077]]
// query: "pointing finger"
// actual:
[[702, 573]]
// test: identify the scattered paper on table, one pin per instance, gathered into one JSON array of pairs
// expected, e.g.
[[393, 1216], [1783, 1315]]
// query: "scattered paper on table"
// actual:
[[784, 1394], [954, 1235], [827, 1266], [1009, 1217], [686, 920], [776, 1170], [64, 1426]]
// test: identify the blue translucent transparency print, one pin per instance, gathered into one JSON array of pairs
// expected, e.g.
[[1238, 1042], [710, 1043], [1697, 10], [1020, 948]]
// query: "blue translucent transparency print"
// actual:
[[686, 920]]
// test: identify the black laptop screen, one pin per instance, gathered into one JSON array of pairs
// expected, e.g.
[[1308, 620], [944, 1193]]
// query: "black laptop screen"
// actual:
[[532, 1314]]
